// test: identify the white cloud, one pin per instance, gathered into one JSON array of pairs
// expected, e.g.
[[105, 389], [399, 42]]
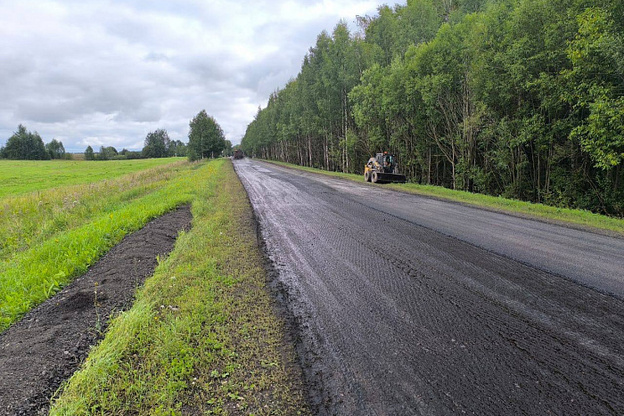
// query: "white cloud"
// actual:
[[108, 72]]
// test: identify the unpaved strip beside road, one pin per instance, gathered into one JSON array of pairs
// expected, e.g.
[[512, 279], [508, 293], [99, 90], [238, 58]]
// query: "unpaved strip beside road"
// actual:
[[408, 305], [45, 348]]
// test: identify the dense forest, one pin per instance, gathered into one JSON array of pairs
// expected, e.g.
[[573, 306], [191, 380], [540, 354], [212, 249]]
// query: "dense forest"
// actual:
[[520, 98]]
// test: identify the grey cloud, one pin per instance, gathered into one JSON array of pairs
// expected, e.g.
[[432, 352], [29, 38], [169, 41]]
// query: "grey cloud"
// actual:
[[140, 114], [205, 68], [45, 112], [157, 57], [13, 66], [110, 72]]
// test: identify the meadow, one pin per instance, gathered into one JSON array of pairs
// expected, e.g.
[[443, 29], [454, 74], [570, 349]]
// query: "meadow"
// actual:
[[21, 176], [50, 236], [202, 334]]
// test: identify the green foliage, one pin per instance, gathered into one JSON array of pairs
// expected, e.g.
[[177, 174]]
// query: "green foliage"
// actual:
[[522, 98], [55, 149], [598, 49], [106, 153], [603, 135], [227, 150], [129, 154], [206, 138], [177, 149], [311, 119], [24, 145], [89, 154], [157, 144]]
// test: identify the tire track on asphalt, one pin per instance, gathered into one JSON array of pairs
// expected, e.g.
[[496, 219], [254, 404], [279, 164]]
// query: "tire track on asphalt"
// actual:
[[397, 318]]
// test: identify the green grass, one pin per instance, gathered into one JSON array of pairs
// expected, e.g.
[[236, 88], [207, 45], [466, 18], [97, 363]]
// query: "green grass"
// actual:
[[201, 337], [30, 219], [569, 216], [49, 237], [21, 176]]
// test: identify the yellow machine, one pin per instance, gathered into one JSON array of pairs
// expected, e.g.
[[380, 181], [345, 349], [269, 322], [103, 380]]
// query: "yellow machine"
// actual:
[[382, 169]]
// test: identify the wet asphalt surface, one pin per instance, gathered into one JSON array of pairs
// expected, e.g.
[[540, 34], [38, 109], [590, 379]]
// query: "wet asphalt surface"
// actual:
[[406, 305]]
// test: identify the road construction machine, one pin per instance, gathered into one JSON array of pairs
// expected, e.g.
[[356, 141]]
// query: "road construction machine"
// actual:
[[382, 168]]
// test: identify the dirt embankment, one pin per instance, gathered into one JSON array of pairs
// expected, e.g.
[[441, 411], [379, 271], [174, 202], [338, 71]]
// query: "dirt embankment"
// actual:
[[46, 347]]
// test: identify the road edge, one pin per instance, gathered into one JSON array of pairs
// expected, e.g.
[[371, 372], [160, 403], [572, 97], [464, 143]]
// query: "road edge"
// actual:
[[293, 332]]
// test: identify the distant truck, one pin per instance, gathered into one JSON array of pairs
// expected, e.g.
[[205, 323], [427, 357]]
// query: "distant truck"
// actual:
[[382, 168], [238, 154]]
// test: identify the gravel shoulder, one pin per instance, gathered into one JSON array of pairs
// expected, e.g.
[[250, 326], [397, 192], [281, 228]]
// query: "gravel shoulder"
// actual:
[[44, 349]]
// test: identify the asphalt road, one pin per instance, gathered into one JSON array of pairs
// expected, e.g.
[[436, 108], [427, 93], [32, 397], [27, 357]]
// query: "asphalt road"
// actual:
[[406, 305]]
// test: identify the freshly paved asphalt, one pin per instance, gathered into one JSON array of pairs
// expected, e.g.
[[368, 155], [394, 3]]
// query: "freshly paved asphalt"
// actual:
[[406, 305]]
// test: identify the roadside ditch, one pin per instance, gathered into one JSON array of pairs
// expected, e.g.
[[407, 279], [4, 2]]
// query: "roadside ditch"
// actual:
[[43, 349]]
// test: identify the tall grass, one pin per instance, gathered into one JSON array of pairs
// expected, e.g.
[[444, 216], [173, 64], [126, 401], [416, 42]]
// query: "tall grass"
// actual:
[[49, 237], [37, 216]]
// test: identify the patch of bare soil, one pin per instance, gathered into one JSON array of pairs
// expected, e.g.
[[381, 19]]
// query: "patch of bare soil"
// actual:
[[46, 347]]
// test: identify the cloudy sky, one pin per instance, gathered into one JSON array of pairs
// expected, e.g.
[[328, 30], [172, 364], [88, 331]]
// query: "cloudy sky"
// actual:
[[108, 72]]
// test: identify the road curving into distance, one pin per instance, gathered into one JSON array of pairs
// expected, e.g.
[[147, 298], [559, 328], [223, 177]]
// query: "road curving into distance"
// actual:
[[407, 305]]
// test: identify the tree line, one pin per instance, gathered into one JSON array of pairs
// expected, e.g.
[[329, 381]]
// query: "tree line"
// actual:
[[206, 140], [27, 145], [157, 144], [519, 98]]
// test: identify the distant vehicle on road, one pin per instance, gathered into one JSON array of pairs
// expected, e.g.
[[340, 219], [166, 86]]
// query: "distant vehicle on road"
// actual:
[[382, 168], [238, 154]]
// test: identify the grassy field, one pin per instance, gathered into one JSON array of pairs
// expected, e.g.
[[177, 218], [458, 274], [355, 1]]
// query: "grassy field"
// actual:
[[575, 217], [202, 337], [21, 176], [49, 237]]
